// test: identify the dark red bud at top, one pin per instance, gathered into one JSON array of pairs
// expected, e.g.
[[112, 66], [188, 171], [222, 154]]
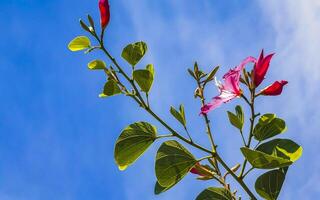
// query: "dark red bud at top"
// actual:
[[260, 68], [104, 13], [274, 89]]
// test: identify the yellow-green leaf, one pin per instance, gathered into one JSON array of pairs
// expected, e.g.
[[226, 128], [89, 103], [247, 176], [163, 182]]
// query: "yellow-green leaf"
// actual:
[[144, 78], [268, 126], [96, 65], [262, 160], [110, 89], [79, 43], [179, 115], [283, 148], [133, 53]]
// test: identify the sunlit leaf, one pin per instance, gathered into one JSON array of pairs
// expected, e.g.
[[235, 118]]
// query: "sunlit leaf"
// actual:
[[96, 65], [268, 126], [79, 43], [144, 78], [133, 142], [262, 160], [110, 89], [283, 148], [133, 53]]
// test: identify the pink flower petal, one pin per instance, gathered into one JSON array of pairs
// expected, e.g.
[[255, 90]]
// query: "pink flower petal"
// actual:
[[217, 101]]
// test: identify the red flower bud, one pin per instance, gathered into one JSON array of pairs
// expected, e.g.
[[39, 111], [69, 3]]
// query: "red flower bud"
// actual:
[[104, 13], [274, 89], [202, 170], [194, 171], [260, 68]]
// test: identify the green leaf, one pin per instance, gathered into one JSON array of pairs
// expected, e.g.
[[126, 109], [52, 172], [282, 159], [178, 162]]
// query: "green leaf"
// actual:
[[263, 160], [144, 78], [283, 148], [110, 89], [158, 189], [96, 65], [268, 126], [173, 162], [240, 114], [235, 121], [267, 118], [212, 74], [192, 74], [212, 193], [269, 184], [133, 141], [179, 115], [79, 43], [150, 68], [133, 53]]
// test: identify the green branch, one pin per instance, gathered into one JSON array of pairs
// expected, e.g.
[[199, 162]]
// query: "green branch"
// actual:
[[138, 98]]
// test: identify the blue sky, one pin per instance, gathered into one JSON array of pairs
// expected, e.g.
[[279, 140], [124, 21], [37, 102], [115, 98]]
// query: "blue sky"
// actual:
[[57, 136]]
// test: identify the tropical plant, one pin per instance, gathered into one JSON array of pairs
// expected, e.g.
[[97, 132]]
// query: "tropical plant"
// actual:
[[173, 160]]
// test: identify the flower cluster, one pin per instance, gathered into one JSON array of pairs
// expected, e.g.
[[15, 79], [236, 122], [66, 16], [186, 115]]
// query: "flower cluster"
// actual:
[[230, 89]]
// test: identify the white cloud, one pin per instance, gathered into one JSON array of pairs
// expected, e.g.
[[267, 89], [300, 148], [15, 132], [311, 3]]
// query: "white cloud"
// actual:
[[297, 43], [297, 35]]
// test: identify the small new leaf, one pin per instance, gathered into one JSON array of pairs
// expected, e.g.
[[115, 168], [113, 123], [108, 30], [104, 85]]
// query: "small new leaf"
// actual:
[[192, 74], [240, 114], [179, 115], [111, 88], [133, 53], [144, 78], [79, 43], [97, 65], [211, 75], [235, 121]]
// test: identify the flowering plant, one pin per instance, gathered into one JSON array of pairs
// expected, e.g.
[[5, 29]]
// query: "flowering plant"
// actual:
[[173, 160]]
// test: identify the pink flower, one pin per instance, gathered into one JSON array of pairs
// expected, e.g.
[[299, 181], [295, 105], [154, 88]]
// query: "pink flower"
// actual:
[[104, 13], [274, 89], [230, 89], [260, 68]]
